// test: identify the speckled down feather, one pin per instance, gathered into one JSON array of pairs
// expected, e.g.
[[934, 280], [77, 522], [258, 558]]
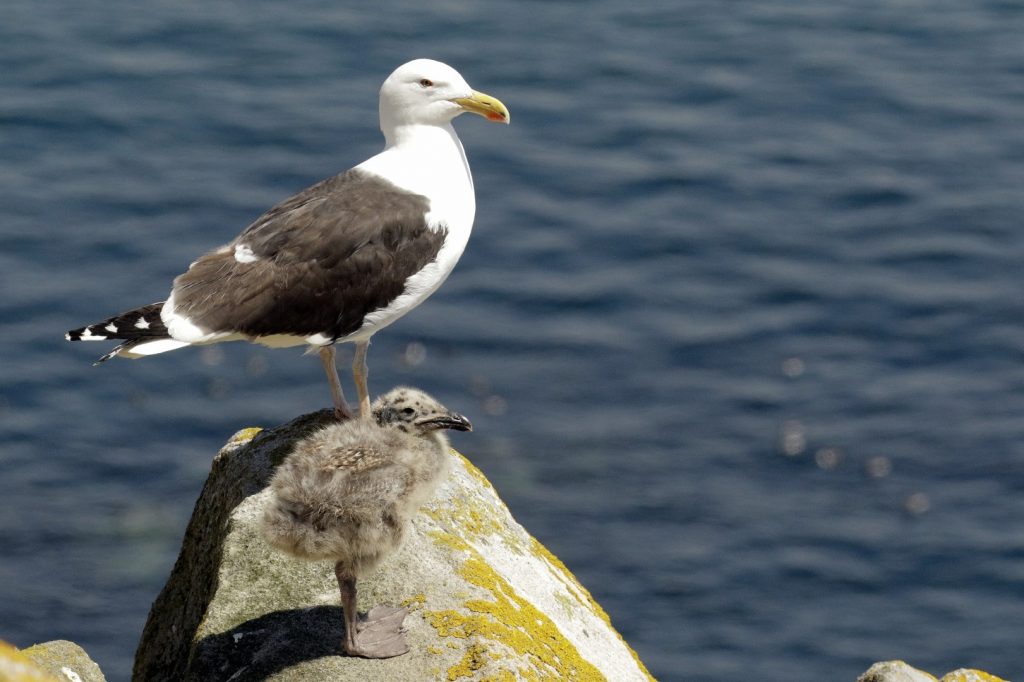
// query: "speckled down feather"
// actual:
[[348, 492]]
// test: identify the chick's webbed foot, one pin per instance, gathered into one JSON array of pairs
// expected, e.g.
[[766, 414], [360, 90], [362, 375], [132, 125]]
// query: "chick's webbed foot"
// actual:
[[380, 635]]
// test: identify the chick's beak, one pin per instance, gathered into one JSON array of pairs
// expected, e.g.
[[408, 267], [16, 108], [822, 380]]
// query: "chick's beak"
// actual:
[[489, 107], [453, 421]]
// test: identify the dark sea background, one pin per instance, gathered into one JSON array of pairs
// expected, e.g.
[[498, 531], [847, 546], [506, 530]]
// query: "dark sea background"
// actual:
[[740, 327]]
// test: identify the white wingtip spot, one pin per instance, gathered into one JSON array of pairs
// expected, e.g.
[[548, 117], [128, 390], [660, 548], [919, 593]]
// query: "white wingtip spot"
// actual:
[[87, 335], [244, 254], [112, 328], [142, 323], [67, 336]]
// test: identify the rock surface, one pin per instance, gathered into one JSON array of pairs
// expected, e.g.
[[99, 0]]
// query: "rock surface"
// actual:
[[898, 671], [487, 600], [59, 660]]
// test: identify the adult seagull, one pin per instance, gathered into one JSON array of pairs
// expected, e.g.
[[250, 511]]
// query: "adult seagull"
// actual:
[[341, 260]]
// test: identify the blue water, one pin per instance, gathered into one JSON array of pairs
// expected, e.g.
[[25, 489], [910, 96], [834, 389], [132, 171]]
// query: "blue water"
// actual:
[[740, 326]]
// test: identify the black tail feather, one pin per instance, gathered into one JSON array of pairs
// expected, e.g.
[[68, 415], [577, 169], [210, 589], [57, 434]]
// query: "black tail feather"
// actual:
[[134, 325]]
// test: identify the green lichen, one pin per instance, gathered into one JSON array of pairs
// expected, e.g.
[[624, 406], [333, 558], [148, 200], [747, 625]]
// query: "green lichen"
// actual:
[[505, 624], [569, 604]]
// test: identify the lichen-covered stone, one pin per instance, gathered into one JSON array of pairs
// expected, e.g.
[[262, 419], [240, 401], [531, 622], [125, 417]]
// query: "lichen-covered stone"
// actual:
[[17, 667], [894, 671], [57, 661], [487, 600], [65, 660], [966, 675], [898, 671]]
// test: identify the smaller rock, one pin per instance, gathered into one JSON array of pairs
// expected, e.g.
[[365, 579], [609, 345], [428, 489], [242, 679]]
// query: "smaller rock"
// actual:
[[17, 667], [57, 661], [966, 675], [65, 660], [898, 671], [894, 671]]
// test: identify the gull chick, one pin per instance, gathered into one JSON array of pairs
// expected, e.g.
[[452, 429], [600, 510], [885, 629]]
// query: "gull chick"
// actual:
[[348, 492]]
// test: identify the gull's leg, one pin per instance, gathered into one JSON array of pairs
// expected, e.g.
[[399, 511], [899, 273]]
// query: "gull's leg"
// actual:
[[379, 638], [341, 409], [359, 373]]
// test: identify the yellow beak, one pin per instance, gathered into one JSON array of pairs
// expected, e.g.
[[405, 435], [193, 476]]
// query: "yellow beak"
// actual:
[[489, 107]]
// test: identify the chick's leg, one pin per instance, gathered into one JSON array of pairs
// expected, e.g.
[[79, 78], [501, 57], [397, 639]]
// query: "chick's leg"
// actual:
[[381, 635]]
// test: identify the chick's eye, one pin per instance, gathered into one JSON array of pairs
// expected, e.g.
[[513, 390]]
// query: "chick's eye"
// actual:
[[427, 83], [408, 412]]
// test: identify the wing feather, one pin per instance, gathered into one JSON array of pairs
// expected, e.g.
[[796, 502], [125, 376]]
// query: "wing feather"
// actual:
[[320, 262]]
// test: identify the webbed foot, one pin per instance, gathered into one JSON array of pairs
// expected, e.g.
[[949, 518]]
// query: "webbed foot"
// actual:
[[380, 635]]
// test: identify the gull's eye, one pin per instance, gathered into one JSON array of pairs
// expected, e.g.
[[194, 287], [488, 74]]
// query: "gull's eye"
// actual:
[[408, 412], [427, 83]]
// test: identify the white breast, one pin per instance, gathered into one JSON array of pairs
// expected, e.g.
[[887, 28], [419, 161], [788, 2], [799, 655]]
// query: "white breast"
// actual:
[[433, 164]]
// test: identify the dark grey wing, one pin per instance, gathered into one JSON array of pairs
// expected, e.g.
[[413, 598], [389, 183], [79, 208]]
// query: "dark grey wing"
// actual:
[[316, 263]]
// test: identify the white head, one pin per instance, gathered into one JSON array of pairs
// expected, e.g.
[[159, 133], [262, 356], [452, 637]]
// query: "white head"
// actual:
[[427, 92]]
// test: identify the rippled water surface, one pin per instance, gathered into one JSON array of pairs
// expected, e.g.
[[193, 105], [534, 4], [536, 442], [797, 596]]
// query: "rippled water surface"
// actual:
[[740, 325]]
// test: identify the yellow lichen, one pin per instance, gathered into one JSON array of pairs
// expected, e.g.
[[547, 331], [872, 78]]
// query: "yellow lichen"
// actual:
[[242, 437], [576, 589], [474, 516], [538, 649], [474, 659], [17, 667], [452, 541], [502, 676], [415, 602], [965, 675], [473, 471], [505, 623], [491, 513]]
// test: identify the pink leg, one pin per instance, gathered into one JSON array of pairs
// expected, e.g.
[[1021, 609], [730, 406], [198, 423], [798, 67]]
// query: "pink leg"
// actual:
[[360, 373], [341, 409]]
